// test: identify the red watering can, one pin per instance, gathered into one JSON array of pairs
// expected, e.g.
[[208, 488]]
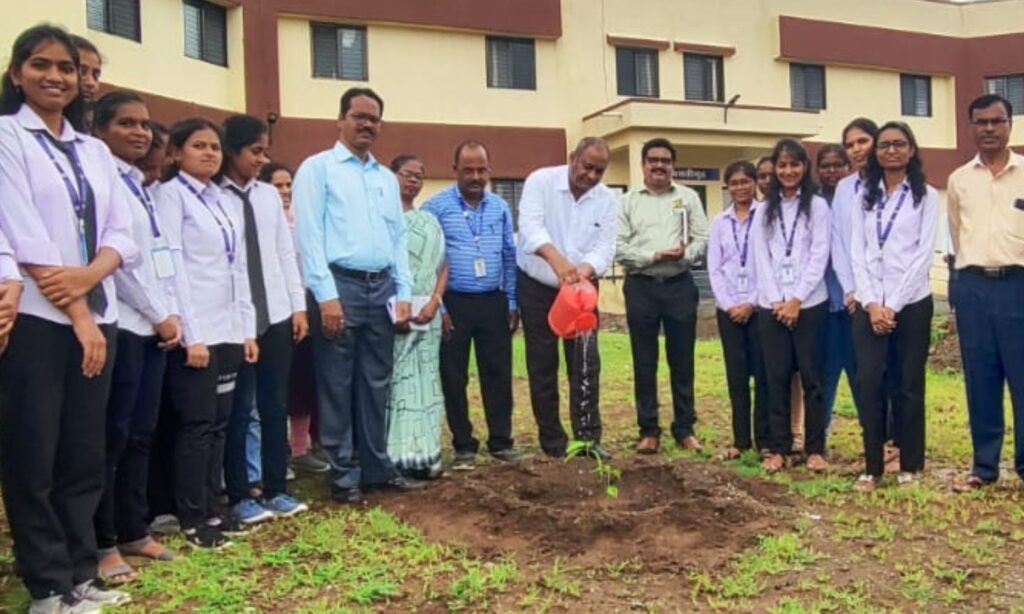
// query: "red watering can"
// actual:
[[572, 313]]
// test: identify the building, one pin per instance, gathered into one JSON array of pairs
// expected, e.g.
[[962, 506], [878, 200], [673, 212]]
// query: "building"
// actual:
[[723, 80]]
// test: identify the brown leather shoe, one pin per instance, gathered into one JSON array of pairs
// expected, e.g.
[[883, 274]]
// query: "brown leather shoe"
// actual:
[[691, 443], [647, 445]]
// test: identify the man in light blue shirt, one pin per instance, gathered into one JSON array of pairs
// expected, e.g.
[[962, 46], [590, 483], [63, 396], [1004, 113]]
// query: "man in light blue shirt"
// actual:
[[351, 237]]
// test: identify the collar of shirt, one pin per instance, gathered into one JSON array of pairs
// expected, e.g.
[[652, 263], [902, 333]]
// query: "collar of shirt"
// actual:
[[672, 189], [226, 182], [731, 212], [343, 154], [1015, 160], [30, 120], [210, 191], [126, 168], [456, 194]]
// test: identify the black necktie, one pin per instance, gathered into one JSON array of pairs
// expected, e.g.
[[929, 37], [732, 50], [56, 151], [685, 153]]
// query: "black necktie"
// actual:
[[96, 298], [257, 286]]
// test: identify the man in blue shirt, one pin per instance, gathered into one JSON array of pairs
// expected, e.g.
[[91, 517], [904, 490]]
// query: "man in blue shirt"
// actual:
[[351, 237], [480, 303]]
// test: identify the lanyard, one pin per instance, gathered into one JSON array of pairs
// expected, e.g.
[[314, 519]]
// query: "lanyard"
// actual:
[[78, 197], [147, 202], [226, 232], [883, 235], [467, 213], [746, 238], [792, 236]]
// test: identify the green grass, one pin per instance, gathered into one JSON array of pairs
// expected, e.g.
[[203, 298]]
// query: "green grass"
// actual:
[[890, 550]]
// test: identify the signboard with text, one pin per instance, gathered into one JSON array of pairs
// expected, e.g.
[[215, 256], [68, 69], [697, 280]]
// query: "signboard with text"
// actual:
[[696, 174]]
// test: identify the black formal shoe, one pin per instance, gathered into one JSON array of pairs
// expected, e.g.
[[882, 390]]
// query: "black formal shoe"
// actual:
[[557, 453], [401, 483], [507, 455], [352, 496]]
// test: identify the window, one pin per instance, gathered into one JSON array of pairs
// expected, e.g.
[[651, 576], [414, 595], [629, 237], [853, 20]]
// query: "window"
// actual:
[[206, 32], [117, 17], [511, 190], [702, 77], [916, 95], [807, 86], [1010, 87], [637, 71], [511, 63], [339, 52]]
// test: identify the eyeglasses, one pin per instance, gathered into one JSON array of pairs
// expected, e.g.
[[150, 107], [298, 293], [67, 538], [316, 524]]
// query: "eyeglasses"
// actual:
[[410, 175], [662, 161], [995, 122], [894, 145]]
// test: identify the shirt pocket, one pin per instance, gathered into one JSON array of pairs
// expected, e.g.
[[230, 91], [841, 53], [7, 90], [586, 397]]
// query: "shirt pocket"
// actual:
[[1015, 225]]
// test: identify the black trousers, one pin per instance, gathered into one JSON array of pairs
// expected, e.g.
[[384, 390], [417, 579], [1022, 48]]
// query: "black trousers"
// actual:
[[264, 384], [53, 422], [353, 378], [582, 361], [786, 351], [132, 412], [741, 347], [201, 400], [650, 305], [480, 320], [910, 343]]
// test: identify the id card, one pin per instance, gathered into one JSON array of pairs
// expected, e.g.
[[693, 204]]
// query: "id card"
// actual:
[[480, 267], [787, 272], [743, 281], [163, 264]]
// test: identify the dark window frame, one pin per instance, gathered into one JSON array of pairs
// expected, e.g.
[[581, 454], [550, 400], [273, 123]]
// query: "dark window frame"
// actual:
[[337, 29], [719, 66], [205, 8], [992, 88], [516, 185], [627, 56], [519, 78], [908, 84], [799, 66], [108, 25]]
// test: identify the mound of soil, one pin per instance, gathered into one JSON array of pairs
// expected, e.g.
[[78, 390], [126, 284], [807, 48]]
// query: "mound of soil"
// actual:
[[945, 354], [669, 516]]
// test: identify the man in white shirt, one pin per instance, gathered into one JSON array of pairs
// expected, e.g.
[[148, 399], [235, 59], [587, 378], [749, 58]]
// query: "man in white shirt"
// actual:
[[567, 227]]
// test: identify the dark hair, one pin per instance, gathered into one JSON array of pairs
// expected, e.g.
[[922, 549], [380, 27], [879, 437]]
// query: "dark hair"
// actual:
[[107, 106], [807, 186], [268, 170], [763, 160], [740, 166], [236, 133], [83, 44], [657, 143], [180, 133], [986, 101], [915, 170], [11, 97], [402, 159], [832, 148], [863, 124], [469, 144], [355, 92]]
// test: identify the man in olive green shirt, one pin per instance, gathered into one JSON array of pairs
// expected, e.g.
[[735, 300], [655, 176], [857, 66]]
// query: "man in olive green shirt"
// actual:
[[662, 229]]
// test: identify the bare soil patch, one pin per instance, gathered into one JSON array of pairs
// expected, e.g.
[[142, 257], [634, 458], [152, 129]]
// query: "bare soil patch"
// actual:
[[945, 353], [668, 516]]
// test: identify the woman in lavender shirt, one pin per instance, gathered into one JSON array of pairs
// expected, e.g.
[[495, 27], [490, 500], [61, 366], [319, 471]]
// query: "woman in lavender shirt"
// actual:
[[791, 246]]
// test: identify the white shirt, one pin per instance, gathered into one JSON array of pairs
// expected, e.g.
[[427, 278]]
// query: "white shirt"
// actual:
[[37, 213], [845, 201], [807, 261], [144, 300], [895, 275], [213, 291], [277, 247], [583, 231]]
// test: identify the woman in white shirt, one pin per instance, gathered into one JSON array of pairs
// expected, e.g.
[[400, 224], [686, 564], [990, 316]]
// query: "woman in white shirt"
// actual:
[[66, 214], [218, 320], [148, 326], [891, 256], [279, 302]]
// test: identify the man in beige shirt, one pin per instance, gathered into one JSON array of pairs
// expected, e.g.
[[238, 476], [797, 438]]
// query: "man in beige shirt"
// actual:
[[986, 222], [662, 229]]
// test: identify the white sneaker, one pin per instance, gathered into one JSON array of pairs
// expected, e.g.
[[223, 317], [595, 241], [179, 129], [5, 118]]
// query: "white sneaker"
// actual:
[[59, 604], [90, 591]]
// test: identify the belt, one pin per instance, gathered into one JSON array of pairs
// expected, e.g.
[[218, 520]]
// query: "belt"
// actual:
[[367, 276], [661, 280], [995, 272]]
